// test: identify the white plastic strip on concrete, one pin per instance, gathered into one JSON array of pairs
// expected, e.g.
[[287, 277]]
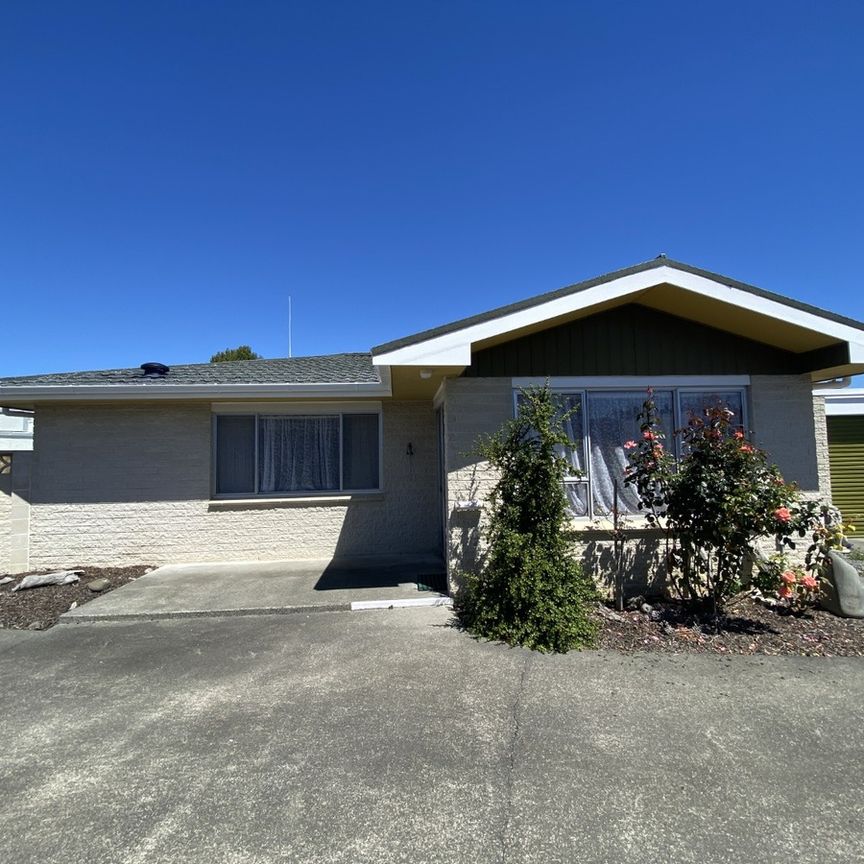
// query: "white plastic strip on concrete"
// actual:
[[360, 605]]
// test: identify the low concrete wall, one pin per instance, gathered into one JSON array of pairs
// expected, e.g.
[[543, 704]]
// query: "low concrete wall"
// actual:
[[124, 484]]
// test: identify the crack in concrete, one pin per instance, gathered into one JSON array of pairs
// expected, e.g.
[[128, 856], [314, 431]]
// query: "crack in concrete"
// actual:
[[510, 758]]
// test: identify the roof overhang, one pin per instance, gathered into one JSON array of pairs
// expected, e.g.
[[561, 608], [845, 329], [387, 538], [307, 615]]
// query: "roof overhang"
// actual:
[[843, 402], [24, 396], [829, 345]]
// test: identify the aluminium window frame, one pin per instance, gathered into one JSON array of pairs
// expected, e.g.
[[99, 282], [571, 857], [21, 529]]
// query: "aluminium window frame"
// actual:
[[307, 410], [583, 391]]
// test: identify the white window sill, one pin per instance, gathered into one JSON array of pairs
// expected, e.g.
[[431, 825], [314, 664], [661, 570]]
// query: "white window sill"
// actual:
[[260, 503], [635, 527]]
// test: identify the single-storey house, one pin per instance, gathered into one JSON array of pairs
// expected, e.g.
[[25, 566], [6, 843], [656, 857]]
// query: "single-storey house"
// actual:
[[374, 453]]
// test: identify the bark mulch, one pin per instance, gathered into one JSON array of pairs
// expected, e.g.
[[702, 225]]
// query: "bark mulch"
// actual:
[[39, 608], [747, 627]]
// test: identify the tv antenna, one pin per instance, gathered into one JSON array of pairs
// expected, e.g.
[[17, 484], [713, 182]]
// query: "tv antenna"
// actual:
[[289, 326]]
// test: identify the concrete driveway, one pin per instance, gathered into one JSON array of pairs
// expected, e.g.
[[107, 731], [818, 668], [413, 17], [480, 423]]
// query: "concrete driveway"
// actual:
[[392, 737], [269, 588]]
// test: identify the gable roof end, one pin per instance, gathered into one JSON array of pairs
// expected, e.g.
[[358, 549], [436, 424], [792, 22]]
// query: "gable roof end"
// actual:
[[451, 344]]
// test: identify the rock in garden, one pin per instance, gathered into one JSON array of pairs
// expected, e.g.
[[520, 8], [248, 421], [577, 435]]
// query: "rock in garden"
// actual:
[[646, 608], [634, 603], [6, 580], [36, 625], [61, 577], [98, 584], [843, 588]]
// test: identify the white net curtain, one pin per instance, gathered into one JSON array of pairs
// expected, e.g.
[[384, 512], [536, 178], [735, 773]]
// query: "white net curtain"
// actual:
[[576, 486], [298, 453], [600, 422], [612, 422]]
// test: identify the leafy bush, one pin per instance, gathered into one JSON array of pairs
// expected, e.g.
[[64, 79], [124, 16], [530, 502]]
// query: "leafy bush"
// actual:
[[530, 591], [716, 501], [795, 587]]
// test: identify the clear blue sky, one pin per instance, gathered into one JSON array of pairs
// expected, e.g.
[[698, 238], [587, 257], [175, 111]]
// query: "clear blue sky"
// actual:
[[171, 172]]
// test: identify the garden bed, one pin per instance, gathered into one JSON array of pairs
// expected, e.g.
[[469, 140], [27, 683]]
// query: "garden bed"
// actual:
[[748, 627], [39, 608]]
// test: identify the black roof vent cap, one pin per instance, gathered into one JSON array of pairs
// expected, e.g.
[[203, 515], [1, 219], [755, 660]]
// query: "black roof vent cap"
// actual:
[[155, 370]]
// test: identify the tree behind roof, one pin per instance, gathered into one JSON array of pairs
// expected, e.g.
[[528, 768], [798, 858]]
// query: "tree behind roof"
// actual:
[[241, 352]]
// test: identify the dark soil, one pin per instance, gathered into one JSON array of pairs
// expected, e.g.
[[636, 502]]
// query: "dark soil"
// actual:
[[747, 627], [39, 608]]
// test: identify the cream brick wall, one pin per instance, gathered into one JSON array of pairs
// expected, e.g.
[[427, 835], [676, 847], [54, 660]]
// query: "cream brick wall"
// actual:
[[5, 522], [820, 423], [15, 514], [472, 407], [123, 484]]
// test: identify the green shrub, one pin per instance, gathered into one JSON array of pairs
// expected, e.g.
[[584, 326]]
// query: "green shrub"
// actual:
[[530, 590], [717, 501]]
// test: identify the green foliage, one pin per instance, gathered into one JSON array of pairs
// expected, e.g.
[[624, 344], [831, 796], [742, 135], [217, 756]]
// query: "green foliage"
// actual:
[[241, 352], [717, 500], [795, 587], [530, 591]]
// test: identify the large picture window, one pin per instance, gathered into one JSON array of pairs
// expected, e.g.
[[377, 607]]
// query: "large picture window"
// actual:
[[604, 420], [265, 454]]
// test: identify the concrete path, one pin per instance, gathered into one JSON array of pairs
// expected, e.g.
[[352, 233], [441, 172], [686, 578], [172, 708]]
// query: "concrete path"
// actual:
[[369, 738], [257, 588]]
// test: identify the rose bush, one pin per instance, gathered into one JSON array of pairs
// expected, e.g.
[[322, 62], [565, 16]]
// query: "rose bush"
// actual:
[[717, 500]]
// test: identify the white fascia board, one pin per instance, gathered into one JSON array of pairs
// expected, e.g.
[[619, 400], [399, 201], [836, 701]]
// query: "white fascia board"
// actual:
[[448, 350], [455, 348], [10, 444], [109, 392], [839, 403]]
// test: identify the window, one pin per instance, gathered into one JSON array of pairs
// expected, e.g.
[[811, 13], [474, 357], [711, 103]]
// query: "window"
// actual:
[[267, 454], [604, 420]]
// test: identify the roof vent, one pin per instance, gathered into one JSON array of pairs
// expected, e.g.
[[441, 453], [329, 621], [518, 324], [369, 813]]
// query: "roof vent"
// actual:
[[155, 370]]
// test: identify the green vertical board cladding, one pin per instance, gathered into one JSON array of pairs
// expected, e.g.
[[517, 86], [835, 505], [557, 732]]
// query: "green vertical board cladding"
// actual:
[[634, 340], [846, 453]]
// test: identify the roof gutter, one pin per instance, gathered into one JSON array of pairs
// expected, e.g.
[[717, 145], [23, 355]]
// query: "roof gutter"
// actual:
[[834, 383], [149, 392]]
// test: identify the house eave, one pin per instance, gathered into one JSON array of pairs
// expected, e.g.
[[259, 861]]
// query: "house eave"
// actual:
[[792, 321], [25, 396]]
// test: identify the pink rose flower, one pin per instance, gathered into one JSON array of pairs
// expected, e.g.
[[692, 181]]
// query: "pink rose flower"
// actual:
[[782, 514], [789, 577], [784, 591], [629, 445], [809, 582], [648, 435]]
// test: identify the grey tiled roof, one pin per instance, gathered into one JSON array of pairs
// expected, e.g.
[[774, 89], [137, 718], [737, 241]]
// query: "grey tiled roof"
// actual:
[[325, 369]]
